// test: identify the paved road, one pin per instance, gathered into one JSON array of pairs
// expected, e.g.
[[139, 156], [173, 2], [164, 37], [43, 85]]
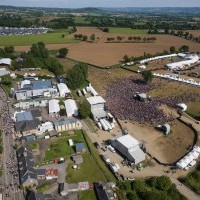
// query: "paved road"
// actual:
[[10, 177]]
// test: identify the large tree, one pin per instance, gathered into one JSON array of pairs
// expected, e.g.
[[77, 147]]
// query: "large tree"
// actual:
[[148, 76], [63, 52], [84, 110]]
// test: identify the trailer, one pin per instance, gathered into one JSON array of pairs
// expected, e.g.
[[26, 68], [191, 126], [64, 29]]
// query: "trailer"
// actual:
[[79, 93], [104, 125], [108, 125], [93, 91], [84, 92], [99, 125]]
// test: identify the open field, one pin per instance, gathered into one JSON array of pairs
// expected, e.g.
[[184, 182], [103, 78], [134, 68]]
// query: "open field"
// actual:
[[194, 32], [48, 38], [87, 195], [59, 147], [106, 54], [126, 30], [160, 146]]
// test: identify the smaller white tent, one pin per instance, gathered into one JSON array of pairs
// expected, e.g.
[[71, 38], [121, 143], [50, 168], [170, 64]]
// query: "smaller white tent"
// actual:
[[142, 67], [63, 89], [71, 108], [182, 106], [54, 106], [181, 164]]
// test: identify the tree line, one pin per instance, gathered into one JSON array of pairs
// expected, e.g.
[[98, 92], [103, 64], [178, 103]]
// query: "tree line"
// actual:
[[133, 39], [172, 49]]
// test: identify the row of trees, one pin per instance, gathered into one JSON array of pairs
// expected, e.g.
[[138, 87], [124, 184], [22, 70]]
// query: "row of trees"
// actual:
[[85, 37], [7, 52], [172, 49], [39, 56], [186, 35], [134, 39]]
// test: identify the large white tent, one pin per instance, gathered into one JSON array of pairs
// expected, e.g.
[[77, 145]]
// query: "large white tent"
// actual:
[[54, 106], [182, 106], [5, 61], [71, 108], [63, 89]]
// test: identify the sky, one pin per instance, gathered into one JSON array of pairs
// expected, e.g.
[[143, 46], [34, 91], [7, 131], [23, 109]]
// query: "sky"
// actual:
[[102, 3]]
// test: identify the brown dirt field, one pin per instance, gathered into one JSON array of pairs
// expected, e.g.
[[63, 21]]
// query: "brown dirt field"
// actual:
[[166, 149], [194, 32], [106, 54]]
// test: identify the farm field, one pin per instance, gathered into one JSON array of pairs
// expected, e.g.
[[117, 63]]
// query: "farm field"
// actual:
[[194, 32], [107, 54], [48, 38], [126, 30]]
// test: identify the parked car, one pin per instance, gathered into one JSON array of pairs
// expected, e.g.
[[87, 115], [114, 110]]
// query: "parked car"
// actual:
[[96, 144], [109, 147]]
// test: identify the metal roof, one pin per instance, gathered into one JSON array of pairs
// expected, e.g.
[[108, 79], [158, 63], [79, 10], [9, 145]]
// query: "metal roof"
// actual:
[[65, 121], [54, 106], [128, 141], [5, 61], [22, 116], [41, 84], [95, 100], [71, 107]]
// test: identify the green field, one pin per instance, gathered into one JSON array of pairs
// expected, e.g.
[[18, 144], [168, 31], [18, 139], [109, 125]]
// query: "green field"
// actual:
[[48, 38], [89, 171], [87, 195], [60, 147], [126, 30]]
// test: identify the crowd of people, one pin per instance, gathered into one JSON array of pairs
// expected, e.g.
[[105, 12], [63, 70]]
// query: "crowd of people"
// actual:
[[121, 101], [10, 162]]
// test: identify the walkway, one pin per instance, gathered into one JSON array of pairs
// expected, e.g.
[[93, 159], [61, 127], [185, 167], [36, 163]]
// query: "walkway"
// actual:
[[185, 190]]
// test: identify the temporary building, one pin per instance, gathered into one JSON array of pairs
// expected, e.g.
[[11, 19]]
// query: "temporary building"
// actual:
[[5, 61], [54, 106], [181, 164], [142, 67], [129, 147], [4, 71], [197, 149], [63, 89], [71, 108], [182, 106]]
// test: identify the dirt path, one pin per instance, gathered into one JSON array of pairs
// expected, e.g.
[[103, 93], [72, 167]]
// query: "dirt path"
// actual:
[[185, 190]]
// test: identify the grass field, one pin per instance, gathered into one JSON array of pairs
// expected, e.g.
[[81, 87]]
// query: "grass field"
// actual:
[[60, 147], [126, 30], [87, 195], [48, 38], [89, 171]]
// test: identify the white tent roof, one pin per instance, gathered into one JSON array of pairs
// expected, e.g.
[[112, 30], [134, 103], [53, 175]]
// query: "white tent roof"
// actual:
[[62, 87], [128, 141], [54, 106], [95, 100], [5, 61], [25, 82], [181, 164], [71, 107], [183, 106], [197, 149]]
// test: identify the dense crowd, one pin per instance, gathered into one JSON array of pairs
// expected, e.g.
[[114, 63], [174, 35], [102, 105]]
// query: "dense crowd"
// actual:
[[122, 103]]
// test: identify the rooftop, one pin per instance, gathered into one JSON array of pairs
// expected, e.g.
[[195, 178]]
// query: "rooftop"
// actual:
[[95, 100], [128, 141], [41, 84]]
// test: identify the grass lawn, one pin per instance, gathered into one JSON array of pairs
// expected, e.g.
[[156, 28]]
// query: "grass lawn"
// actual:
[[89, 171], [60, 147], [32, 145], [192, 180], [48, 38], [126, 30], [194, 109], [44, 187], [93, 168], [87, 195]]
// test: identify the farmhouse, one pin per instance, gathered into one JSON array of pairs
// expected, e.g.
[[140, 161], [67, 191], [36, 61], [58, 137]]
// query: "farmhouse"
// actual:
[[27, 128], [27, 173], [97, 105], [27, 115], [67, 124], [71, 108], [63, 89], [129, 147], [35, 88]]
